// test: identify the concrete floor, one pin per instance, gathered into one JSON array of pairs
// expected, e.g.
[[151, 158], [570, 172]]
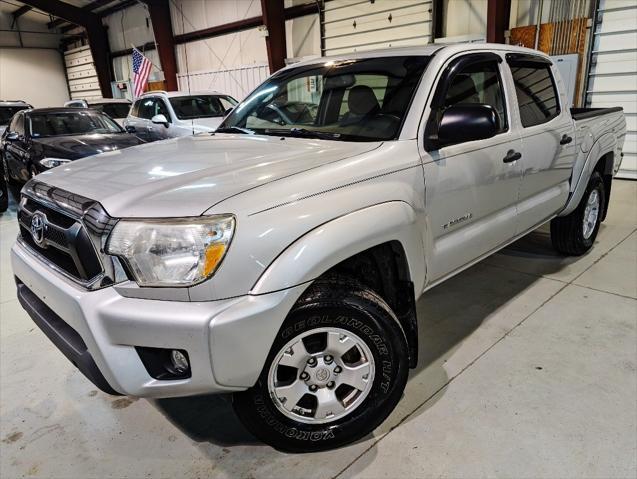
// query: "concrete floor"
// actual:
[[528, 369]]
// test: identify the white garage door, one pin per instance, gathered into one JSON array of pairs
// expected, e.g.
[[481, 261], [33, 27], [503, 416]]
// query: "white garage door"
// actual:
[[613, 71], [81, 74], [355, 25]]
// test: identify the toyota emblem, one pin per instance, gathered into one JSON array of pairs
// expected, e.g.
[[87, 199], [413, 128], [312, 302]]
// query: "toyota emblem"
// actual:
[[38, 226]]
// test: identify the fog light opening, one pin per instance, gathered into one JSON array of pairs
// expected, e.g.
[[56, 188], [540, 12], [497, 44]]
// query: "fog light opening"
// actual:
[[165, 363], [179, 361]]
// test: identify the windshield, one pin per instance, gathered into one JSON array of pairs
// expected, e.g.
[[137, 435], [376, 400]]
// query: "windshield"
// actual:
[[201, 106], [355, 100], [71, 123], [6, 112], [114, 110]]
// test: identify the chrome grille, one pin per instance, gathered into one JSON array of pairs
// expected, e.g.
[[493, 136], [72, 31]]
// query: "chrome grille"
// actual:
[[72, 234]]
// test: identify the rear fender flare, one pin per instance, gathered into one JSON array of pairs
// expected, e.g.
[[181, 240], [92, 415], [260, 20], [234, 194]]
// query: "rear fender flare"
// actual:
[[607, 143]]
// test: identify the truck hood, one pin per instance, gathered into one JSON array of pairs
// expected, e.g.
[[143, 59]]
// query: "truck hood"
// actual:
[[186, 176]]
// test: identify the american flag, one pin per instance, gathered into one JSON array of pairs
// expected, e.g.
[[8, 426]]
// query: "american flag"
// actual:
[[141, 70]]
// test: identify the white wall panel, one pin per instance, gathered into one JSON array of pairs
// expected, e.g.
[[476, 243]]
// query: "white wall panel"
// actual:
[[355, 25], [33, 75], [191, 15], [131, 27], [81, 74], [613, 73], [303, 37], [465, 17], [236, 82]]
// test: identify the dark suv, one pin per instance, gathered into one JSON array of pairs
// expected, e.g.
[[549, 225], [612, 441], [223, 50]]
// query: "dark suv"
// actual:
[[40, 139]]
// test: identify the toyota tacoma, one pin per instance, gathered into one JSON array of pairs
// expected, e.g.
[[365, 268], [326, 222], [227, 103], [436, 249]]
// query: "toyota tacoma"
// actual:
[[280, 258]]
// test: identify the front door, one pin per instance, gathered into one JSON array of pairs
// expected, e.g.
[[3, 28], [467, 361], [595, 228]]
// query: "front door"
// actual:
[[471, 188], [16, 150]]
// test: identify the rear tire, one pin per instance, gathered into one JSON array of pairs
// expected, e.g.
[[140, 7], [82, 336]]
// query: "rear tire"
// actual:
[[575, 233], [364, 344]]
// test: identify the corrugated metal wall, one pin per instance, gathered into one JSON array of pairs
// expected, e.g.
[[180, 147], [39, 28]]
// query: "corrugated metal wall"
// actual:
[[613, 70]]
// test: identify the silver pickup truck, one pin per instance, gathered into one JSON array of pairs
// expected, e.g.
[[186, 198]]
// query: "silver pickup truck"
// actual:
[[280, 258]]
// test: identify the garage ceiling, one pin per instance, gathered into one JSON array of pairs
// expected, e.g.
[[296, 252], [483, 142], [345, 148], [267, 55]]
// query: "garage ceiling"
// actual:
[[35, 15]]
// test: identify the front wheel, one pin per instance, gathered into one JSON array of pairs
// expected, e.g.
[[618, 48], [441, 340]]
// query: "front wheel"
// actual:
[[337, 368], [575, 233]]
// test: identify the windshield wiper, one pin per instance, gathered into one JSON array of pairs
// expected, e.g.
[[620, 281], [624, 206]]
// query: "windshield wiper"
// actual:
[[233, 129], [303, 132]]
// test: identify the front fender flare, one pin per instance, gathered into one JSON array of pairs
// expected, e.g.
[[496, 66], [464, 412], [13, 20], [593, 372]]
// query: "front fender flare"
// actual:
[[325, 246]]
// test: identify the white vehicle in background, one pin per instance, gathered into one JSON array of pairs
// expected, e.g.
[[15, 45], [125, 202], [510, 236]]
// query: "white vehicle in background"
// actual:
[[116, 108], [158, 115]]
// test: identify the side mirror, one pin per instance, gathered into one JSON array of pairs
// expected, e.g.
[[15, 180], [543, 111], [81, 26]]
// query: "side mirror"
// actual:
[[130, 129], [160, 120], [227, 111], [12, 136], [467, 122]]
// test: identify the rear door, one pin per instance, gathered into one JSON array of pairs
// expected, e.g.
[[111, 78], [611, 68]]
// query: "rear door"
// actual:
[[547, 135], [471, 188]]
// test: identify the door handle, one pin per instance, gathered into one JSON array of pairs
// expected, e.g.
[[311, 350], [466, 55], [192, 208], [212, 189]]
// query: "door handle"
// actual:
[[565, 140], [512, 156]]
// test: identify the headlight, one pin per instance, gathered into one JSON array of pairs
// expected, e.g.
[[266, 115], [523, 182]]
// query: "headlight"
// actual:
[[172, 252], [53, 162]]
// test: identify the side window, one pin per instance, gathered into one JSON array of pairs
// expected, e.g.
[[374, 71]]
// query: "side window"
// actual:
[[135, 108], [536, 93], [161, 109], [17, 124], [227, 102], [479, 83], [147, 108]]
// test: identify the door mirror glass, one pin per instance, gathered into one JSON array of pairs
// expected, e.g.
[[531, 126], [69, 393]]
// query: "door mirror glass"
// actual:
[[467, 122], [160, 120], [12, 136]]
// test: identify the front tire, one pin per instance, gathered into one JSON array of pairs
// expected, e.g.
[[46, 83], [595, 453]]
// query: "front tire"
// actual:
[[336, 370], [575, 233]]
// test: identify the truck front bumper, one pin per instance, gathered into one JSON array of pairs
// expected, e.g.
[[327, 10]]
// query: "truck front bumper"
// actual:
[[227, 341]]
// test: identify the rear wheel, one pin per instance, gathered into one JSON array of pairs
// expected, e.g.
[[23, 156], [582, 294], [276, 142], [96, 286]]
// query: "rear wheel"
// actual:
[[574, 234], [337, 368]]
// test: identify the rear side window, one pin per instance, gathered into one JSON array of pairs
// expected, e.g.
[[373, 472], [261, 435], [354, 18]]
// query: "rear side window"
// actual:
[[536, 93]]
